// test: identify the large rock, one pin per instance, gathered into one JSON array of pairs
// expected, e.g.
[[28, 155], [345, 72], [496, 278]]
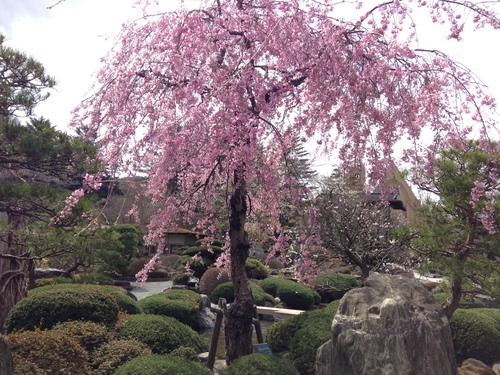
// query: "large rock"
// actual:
[[391, 326], [473, 366]]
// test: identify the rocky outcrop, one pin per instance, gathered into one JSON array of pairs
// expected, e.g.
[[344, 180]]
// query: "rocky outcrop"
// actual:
[[475, 367], [391, 326]]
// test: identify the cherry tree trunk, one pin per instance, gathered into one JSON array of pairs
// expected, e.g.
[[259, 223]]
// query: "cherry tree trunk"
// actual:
[[238, 320]]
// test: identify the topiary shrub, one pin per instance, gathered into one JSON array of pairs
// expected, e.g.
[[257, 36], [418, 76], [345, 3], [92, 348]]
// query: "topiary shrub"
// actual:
[[137, 265], [108, 357], [226, 290], [94, 278], [162, 334], [182, 279], [47, 352], [262, 364], [170, 261], [476, 334], [162, 365], [46, 309], [294, 295], [125, 303], [89, 335], [275, 264], [196, 266], [255, 269], [300, 336], [184, 311], [158, 273], [333, 286], [184, 352], [211, 278]]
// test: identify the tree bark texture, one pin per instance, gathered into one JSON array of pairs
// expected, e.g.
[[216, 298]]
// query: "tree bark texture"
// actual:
[[238, 321]]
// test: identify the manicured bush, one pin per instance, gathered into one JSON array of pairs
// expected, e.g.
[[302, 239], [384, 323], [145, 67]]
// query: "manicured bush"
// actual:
[[184, 311], [300, 336], [162, 334], [162, 365], [197, 267], [46, 309], [275, 263], [125, 303], [89, 335], [184, 352], [108, 357], [255, 269], [211, 278], [226, 290], [262, 364], [137, 265], [47, 352], [333, 286], [182, 279], [476, 334], [158, 273], [183, 295], [170, 261], [294, 295]]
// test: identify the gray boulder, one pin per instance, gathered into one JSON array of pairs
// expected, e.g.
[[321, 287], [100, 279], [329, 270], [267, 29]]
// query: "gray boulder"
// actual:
[[391, 326]]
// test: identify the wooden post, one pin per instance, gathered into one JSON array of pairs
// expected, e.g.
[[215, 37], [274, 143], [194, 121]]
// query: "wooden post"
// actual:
[[256, 323], [220, 310]]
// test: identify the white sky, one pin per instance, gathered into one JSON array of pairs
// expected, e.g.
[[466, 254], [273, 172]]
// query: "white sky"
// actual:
[[70, 39]]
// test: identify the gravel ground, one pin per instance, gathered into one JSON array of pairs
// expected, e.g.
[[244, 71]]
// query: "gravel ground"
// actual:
[[142, 290]]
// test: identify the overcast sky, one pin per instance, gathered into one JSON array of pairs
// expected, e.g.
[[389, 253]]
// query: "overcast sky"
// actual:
[[70, 39]]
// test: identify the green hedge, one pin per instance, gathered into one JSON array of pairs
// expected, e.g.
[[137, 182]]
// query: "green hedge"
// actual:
[[226, 290], [162, 365], [162, 334], [300, 336], [47, 352], [476, 334], [333, 286], [294, 295], [125, 303], [108, 357], [255, 269], [46, 309], [261, 364]]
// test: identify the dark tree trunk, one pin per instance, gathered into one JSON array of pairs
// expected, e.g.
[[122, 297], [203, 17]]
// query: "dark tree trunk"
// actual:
[[14, 271], [238, 320], [452, 303]]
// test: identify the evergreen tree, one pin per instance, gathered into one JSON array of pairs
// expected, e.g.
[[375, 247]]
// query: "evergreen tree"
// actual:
[[457, 227]]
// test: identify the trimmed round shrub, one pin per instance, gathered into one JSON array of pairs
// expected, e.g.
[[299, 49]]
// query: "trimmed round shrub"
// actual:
[[162, 365], [184, 352], [182, 295], [294, 295], [275, 264], [211, 278], [476, 334], [333, 286], [158, 273], [300, 336], [162, 334], [262, 364], [47, 352], [184, 311], [94, 278], [89, 335], [226, 290], [110, 356], [182, 279], [255, 269], [137, 265], [170, 261], [197, 267], [46, 309], [125, 303]]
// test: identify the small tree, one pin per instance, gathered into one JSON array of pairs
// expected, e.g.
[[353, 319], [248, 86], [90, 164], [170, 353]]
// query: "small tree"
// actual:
[[360, 232], [214, 97], [458, 224]]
